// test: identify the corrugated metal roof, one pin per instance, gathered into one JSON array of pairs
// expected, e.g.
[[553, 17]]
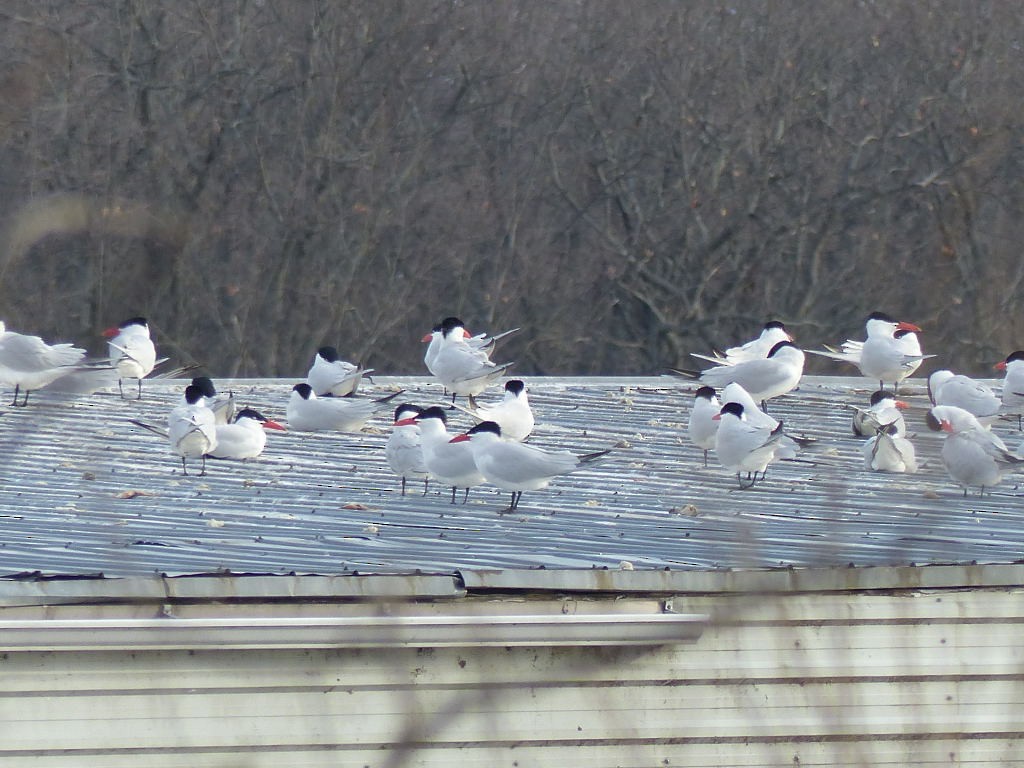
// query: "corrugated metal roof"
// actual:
[[83, 491]]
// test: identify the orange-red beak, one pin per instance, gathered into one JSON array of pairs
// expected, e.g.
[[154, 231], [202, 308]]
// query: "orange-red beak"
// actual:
[[908, 327], [410, 422], [111, 332], [459, 439], [901, 404], [1000, 366], [269, 424]]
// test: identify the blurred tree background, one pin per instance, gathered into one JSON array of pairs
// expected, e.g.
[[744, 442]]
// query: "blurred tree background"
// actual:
[[626, 181]]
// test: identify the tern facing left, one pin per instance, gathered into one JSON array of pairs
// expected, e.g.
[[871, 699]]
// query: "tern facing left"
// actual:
[[517, 467], [403, 450], [330, 375], [743, 446], [462, 368], [883, 411], [972, 454], [245, 437], [28, 362], [131, 352], [191, 428]]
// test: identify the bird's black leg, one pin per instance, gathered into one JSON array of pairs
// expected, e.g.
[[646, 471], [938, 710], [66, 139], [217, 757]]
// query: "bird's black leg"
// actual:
[[465, 498], [184, 469], [426, 485], [24, 401], [17, 389], [705, 457], [453, 494], [202, 472], [403, 485], [120, 387], [139, 395]]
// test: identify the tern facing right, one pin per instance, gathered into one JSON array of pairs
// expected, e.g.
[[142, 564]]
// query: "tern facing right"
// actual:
[[773, 332], [763, 379], [973, 455], [517, 467], [889, 354], [245, 437], [29, 363]]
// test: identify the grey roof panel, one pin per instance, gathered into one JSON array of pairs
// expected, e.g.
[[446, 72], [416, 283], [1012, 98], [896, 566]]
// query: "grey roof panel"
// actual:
[[83, 491]]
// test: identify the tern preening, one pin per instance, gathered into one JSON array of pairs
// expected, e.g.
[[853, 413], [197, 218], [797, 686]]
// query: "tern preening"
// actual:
[[223, 406], [887, 451], [462, 367], [245, 437], [329, 375], [447, 462], [308, 413], [743, 446], [884, 410], [29, 363], [132, 353], [403, 450], [515, 466], [890, 353], [513, 413], [191, 428], [973, 456]]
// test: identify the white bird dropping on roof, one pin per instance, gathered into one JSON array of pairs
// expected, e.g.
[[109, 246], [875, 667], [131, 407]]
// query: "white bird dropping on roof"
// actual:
[[29, 363], [948, 388], [513, 413], [245, 437], [191, 428], [973, 456], [517, 467], [884, 410], [888, 452], [462, 368], [447, 462], [742, 446], [890, 353], [702, 428], [329, 375], [763, 379], [308, 413], [773, 332], [131, 351], [403, 450]]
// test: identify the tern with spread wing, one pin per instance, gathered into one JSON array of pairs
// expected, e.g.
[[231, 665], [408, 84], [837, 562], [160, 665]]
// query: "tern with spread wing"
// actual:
[[890, 353], [884, 410], [513, 413], [773, 332]]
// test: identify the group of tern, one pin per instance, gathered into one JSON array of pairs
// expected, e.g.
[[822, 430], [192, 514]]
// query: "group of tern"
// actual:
[[747, 440], [729, 414]]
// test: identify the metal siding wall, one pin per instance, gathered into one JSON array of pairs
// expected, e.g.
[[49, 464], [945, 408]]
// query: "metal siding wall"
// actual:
[[799, 680]]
